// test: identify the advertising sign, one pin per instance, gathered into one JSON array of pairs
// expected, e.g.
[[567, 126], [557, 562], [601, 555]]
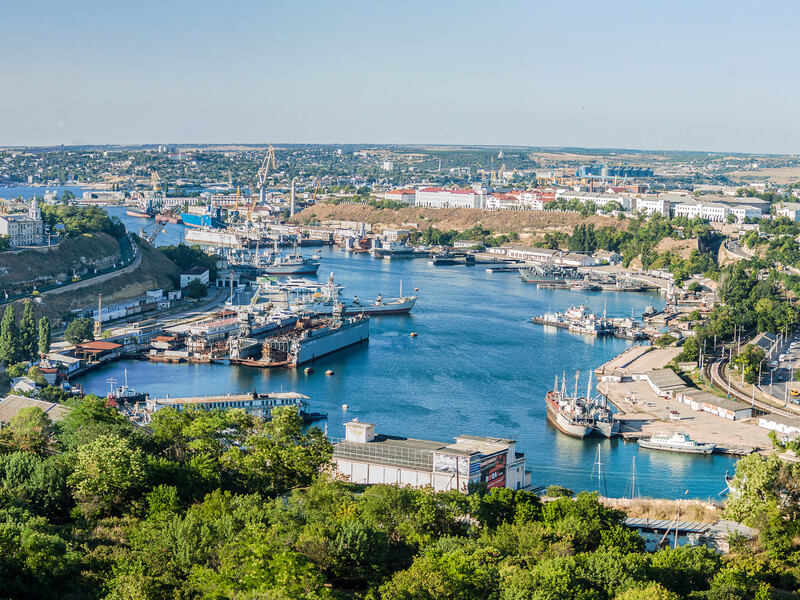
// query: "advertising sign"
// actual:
[[493, 470]]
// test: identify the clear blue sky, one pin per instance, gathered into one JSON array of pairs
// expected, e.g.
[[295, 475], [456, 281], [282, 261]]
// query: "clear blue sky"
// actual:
[[700, 75]]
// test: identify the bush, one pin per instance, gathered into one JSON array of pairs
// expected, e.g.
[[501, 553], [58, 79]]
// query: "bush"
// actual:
[[558, 491]]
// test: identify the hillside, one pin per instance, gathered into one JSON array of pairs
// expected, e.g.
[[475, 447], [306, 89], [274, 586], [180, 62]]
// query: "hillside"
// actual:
[[526, 223], [154, 271], [21, 270]]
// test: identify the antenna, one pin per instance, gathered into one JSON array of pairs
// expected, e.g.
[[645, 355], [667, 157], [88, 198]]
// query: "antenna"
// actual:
[[589, 387]]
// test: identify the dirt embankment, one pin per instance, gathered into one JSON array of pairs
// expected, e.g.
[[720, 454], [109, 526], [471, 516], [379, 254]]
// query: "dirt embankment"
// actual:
[[526, 223], [44, 266], [155, 271]]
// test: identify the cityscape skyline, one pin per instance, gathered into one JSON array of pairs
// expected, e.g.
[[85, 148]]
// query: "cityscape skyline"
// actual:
[[710, 77]]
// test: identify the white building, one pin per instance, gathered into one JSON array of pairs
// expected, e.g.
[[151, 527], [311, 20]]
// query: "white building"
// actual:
[[404, 196], [785, 426], [366, 458], [434, 197], [501, 202], [745, 211], [789, 209], [547, 255], [388, 165], [190, 275], [24, 229], [650, 206]]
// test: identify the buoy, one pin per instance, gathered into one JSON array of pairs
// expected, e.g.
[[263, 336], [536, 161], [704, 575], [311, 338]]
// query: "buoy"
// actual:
[[328, 372], [416, 289], [413, 334], [308, 370], [345, 407]]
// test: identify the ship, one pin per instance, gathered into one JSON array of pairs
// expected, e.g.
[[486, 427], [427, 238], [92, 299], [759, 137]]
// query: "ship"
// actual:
[[291, 264], [580, 416], [124, 394], [212, 237], [546, 274], [147, 207], [321, 303], [397, 250], [568, 413], [677, 442], [448, 258], [208, 219]]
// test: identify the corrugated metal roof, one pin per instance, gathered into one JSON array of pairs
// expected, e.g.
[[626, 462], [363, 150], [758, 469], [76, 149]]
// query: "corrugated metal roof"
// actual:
[[664, 524], [12, 404]]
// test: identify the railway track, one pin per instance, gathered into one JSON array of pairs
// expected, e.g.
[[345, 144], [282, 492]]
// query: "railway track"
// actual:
[[714, 373]]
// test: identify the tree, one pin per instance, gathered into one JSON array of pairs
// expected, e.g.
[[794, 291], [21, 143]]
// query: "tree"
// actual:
[[79, 330], [10, 343], [751, 359], [28, 333], [5, 243], [108, 471], [30, 429], [44, 335], [279, 455], [197, 289]]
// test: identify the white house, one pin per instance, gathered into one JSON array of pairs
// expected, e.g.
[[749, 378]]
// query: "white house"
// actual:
[[558, 257], [649, 206], [190, 275]]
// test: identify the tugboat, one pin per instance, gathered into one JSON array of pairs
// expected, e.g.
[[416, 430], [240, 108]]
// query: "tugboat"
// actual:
[[649, 311], [124, 394]]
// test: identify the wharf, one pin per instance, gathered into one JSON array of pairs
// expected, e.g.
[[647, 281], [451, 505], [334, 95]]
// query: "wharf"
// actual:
[[504, 268]]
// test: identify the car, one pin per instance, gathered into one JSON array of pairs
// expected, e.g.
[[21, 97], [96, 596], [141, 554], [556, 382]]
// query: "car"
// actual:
[[794, 392], [779, 378]]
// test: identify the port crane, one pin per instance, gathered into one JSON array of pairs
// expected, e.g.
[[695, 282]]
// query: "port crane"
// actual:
[[269, 159]]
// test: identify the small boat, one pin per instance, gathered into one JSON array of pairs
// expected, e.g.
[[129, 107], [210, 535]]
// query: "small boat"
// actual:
[[677, 442], [649, 311]]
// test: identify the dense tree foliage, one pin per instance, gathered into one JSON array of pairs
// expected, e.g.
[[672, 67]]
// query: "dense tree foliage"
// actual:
[[187, 257], [79, 330], [78, 220], [220, 504]]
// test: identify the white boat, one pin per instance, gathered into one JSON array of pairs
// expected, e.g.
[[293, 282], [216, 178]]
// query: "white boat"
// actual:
[[322, 303], [292, 264], [677, 442]]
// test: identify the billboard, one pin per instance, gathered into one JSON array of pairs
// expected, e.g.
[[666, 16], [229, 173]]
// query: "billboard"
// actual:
[[451, 463], [493, 470]]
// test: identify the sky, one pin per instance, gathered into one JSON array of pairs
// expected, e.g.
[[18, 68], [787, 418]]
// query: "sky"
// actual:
[[707, 75]]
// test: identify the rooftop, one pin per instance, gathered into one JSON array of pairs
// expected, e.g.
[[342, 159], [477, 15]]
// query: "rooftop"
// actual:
[[12, 404]]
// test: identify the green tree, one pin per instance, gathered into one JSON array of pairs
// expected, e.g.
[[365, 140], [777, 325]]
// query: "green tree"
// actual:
[[197, 289], [45, 336], [10, 343], [79, 330], [108, 471], [751, 359], [29, 430], [28, 333], [278, 455]]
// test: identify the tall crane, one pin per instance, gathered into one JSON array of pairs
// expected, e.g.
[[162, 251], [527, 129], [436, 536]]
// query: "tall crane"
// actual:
[[269, 158], [158, 193]]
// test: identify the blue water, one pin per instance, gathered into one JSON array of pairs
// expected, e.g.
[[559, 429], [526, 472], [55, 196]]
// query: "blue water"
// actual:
[[478, 366]]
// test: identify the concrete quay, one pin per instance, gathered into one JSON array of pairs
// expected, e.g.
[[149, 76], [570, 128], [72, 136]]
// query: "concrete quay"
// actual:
[[643, 413]]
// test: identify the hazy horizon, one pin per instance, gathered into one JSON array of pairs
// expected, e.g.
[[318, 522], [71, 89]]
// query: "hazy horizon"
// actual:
[[685, 77]]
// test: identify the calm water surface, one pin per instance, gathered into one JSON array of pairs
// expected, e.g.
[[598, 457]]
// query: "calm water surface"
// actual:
[[478, 366]]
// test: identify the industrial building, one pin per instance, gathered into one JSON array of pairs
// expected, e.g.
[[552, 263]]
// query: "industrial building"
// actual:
[[367, 458]]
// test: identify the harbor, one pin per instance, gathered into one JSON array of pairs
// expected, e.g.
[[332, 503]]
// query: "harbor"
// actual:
[[444, 379]]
